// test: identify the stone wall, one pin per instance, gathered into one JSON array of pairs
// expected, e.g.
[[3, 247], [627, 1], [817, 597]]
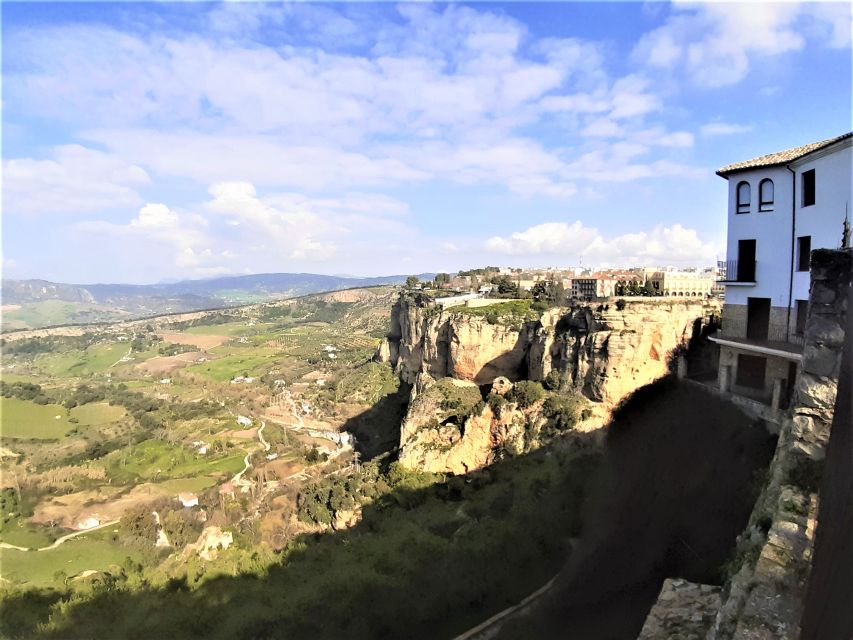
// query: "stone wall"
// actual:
[[764, 596], [735, 316]]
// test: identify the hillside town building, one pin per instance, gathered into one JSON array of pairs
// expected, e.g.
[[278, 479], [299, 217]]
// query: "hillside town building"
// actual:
[[781, 207]]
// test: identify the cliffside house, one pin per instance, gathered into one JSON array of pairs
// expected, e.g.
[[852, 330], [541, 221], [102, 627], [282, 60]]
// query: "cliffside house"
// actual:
[[781, 207]]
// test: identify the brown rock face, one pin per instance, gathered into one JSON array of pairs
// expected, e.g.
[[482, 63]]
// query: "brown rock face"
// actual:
[[605, 353], [481, 352]]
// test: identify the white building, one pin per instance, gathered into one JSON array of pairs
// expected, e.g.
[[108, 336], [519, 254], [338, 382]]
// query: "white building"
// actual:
[[781, 207]]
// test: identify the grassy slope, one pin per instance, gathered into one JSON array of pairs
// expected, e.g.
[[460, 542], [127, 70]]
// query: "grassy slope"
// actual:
[[24, 419], [97, 413], [37, 568], [95, 359]]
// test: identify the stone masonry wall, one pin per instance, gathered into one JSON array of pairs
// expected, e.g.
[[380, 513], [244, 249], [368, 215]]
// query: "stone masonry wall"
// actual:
[[764, 597]]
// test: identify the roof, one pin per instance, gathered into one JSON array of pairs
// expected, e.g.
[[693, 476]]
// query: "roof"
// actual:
[[781, 157]]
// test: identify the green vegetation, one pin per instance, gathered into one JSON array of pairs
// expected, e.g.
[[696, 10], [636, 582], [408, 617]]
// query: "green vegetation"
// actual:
[[27, 420], [367, 384], [511, 312], [93, 359], [174, 349], [526, 393], [97, 413], [459, 400], [94, 551], [224, 369], [155, 459], [564, 410], [430, 557], [57, 312]]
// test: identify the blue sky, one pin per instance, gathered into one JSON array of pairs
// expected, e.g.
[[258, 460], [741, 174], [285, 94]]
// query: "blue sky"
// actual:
[[152, 141]]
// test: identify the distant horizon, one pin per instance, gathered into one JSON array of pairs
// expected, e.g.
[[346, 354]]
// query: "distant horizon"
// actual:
[[357, 277], [154, 141]]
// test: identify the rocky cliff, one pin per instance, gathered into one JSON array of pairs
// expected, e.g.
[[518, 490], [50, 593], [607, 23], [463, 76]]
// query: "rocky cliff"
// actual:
[[602, 352]]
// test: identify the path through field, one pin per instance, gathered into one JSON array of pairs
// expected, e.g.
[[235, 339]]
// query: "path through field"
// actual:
[[61, 540]]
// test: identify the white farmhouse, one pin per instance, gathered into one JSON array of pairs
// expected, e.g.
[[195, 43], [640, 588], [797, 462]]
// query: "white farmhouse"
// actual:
[[781, 207], [188, 499]]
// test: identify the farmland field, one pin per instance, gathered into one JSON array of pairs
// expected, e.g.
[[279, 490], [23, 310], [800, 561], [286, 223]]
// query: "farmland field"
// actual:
[[224, 369], [97, 413], [94, 551], [154, 459], [24, 419], [95, 359]]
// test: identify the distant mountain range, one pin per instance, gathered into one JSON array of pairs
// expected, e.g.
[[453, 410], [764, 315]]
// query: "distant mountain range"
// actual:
[[42, 302]]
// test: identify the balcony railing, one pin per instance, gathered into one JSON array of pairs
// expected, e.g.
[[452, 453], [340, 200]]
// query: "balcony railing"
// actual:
[[736, 270]]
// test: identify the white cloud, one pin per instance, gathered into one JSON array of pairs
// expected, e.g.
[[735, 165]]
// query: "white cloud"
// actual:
[[716, 44], [723, 129], [74, 179], [549, 238], [155, 216], [663, 245]]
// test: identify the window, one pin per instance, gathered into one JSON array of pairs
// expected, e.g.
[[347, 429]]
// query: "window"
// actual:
[[808, 188], [802, 314], [804, 250], [765, 195], [743, 197]]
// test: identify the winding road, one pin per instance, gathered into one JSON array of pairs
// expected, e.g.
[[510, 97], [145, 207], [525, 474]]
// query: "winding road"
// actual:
[[59, 541], [238, 480]]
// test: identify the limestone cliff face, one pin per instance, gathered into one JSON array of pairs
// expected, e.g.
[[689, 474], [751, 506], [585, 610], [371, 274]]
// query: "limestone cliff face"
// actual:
[[448, 429], [605, 352]]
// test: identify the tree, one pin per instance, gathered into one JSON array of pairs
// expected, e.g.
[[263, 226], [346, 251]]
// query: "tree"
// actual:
[[411, 282], [441, 280]]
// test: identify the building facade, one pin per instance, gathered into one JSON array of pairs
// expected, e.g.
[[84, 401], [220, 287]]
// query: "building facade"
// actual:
[[688, 284], [593, 286], [780, 207]]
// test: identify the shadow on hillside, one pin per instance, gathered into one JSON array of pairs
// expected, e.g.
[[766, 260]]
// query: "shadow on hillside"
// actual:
[[667, 498], [677, 485], [377, 430]]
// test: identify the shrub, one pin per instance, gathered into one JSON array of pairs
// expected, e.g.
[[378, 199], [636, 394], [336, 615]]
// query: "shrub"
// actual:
[[527, 393], [620, 304], [496, 403], [563, 410], [555, 380]]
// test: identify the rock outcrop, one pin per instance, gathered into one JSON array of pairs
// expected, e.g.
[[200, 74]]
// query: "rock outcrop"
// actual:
[[607, 351], [603, 352]]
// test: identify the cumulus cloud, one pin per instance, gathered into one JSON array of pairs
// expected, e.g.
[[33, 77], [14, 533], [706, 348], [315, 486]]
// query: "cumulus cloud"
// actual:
[[662, 245], [73, 179], [716, 44], [548, 238]]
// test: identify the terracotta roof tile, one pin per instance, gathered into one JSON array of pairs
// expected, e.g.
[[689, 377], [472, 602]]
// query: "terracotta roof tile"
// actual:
[[780, 157]]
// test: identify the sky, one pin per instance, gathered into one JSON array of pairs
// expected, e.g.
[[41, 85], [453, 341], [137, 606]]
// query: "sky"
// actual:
[[145, 142]]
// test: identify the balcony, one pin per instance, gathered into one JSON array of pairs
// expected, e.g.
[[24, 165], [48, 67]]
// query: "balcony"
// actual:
[[736, 271]]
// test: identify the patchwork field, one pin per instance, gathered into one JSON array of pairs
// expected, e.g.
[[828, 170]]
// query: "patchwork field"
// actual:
[[95, 359], [24, 419], [202, 341], [130, 439]]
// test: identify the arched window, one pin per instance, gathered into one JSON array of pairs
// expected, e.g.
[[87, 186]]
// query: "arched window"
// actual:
[[743, 196], [765, 195]]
